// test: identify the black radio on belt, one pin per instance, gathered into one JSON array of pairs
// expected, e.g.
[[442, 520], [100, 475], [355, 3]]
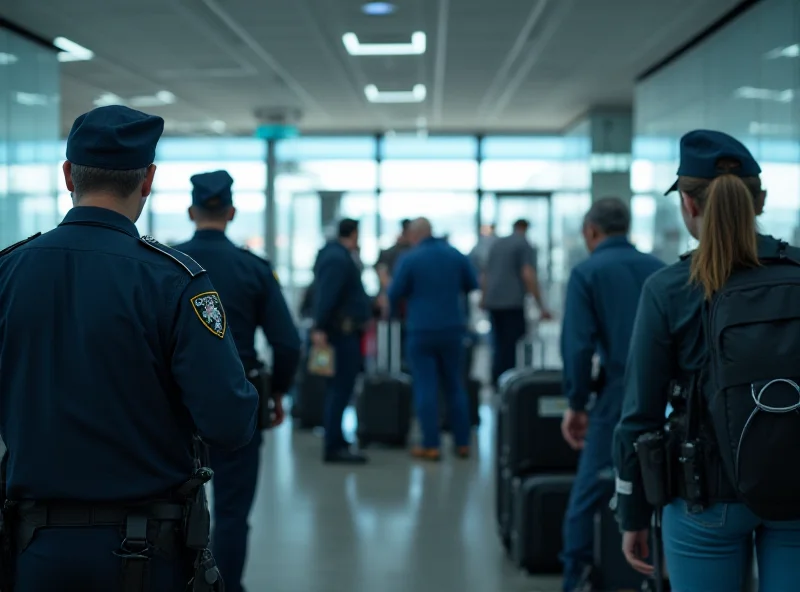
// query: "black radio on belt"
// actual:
[[693, 475], [652, 451]]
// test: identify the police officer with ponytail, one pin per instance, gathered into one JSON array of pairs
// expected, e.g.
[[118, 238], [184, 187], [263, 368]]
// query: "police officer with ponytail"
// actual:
[[716, 336]]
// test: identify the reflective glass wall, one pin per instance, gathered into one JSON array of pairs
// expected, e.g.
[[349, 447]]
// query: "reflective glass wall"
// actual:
[[29, 132], [743, 80]]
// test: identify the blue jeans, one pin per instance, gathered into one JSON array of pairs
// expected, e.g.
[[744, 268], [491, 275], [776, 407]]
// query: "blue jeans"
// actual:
[[235, 480], [340, 387], [709, 551], [431, 355], [585, 501]]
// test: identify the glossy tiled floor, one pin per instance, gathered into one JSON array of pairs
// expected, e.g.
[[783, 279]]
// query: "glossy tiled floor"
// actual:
[[394, 525]]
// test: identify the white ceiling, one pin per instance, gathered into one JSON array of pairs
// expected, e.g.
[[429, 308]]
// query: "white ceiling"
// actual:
[[516, 65]]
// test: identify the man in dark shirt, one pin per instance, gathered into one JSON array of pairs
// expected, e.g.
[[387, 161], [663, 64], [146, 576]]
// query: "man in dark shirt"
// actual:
[[602, 297], [341, 307], [253, 299]]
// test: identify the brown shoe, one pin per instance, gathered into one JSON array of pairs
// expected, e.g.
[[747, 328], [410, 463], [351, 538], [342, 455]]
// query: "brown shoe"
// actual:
[[426, 453], [462, 452]]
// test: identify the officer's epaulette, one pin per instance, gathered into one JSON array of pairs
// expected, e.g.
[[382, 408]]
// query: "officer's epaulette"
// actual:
[[10, 248], [192, 267]]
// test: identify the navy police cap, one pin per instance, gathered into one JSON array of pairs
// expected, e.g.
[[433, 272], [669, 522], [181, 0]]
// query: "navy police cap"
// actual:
[[212, 191], [701, 150], [115, 138]]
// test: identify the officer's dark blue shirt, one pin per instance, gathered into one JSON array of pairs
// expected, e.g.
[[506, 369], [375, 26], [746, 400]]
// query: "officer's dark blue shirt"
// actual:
[[433, 279], [668, 343], [249, 288], [112, 350], [339, 293], [602, 295]]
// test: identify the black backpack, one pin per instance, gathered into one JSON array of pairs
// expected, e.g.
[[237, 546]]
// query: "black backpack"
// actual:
[[752, 389]]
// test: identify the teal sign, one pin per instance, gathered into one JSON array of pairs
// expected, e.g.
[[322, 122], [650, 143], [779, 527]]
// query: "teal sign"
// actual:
[[277, 132]]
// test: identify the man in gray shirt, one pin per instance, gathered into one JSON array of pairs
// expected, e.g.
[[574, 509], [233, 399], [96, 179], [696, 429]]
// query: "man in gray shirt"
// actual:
[[508, 277]]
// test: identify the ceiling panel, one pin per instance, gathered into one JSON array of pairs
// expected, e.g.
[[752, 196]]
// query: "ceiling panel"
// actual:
[[519, 65]]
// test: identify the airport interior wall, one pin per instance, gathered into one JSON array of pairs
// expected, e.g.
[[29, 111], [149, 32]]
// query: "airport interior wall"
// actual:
[[29, 134], [743, 80]]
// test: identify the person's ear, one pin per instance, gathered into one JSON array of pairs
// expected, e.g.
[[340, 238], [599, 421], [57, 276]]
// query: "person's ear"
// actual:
[[147, 186], [67, 168], [760, 201], [190, 211], [231, 214], [690, 205]]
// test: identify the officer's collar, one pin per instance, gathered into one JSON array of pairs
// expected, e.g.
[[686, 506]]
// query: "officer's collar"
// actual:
[[210, 234], [613, 242], [95, 216]]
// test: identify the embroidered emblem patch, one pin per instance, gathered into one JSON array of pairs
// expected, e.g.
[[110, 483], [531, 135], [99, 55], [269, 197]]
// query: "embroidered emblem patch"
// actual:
[[208, 308]]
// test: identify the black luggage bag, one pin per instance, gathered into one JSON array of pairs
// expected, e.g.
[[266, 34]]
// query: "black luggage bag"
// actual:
[[540, 503], [308, 404], [384, 403]]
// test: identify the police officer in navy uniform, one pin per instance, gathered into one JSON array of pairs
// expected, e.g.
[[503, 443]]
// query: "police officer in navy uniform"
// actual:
[[115, 352], [720, 194], [253, 298], [341, 307], [433, 279], [602, 295]]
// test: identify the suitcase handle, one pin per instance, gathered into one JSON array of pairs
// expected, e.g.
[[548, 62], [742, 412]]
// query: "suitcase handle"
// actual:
[[531, 339], [388, 346]]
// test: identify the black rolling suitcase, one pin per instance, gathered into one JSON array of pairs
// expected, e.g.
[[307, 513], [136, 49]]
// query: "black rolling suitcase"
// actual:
[[384, 403], [529, 440], [540, 503], [308, 406]]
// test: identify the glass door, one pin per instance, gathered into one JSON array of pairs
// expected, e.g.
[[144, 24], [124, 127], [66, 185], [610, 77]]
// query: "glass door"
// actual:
[[305, 237]]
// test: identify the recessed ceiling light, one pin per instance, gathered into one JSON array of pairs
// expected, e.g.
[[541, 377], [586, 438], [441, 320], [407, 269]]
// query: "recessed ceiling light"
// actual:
[[764, 94], [354, 47], [71, 51], [378, 8], [791, 51], [7, 59], [415, 95]]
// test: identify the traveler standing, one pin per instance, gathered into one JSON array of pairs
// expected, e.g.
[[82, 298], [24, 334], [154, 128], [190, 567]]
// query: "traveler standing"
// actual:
[[602, 295], [509, 276], [713, 332]]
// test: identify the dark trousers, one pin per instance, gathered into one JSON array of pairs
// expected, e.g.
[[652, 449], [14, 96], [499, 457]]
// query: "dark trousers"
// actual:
[[585, 500], [83, 559], [508, 327], [234, 482], [339, 388], [434, 355]]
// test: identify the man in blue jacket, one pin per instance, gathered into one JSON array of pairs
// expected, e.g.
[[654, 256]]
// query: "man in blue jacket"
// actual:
[[602, 297], [433, 279], [341, 307]]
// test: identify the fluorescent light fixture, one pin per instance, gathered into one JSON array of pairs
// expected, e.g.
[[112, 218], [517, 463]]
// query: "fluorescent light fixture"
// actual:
[[378, 8], [790, 51], [355, 48], [71, 51], [162, 97], [107, 99], [7, 59], [218, 126], [31, 99], [415, 95], [764, 94]]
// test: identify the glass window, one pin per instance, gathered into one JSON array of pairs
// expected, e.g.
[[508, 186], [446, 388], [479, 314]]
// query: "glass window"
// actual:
[[211, 150], [175, 176], [515, 175], [338, 175], [429, 174], [429, 147], [643, 217], [452, 214], [326, 147], [529, 147]]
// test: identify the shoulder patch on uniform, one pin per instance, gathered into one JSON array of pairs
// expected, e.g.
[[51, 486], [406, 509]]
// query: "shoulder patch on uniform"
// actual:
[[10, 248], [208, 308], [192, 267]]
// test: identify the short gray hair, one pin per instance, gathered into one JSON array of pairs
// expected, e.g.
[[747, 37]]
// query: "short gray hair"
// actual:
[[118, 183], [611, 215]]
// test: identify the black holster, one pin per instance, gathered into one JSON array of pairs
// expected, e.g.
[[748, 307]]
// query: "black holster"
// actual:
[[652, 450]]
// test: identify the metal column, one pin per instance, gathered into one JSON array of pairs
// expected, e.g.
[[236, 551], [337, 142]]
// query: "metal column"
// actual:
[[270, 225]]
